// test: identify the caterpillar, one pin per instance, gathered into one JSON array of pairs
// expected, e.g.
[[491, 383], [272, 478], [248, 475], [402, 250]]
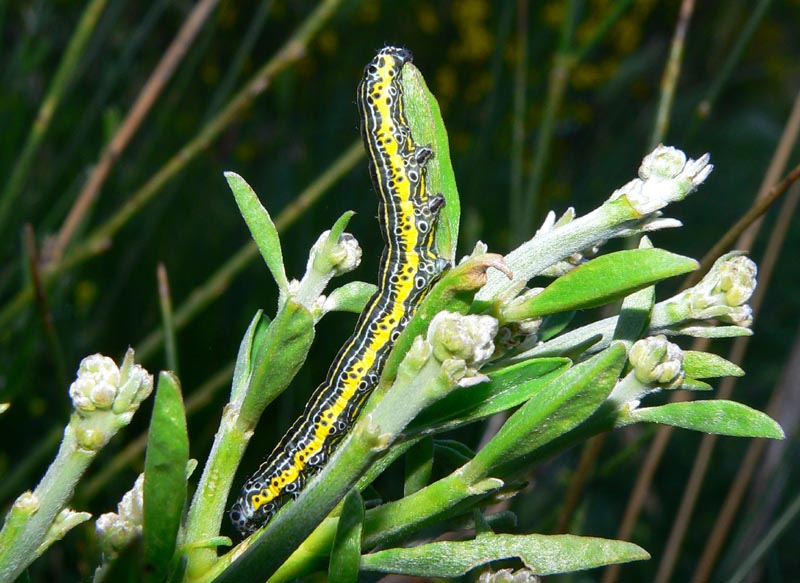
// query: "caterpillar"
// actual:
[[409, 264]]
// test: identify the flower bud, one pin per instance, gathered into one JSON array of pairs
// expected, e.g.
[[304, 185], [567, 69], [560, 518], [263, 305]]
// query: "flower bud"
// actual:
[[665, 176], [467, 338], [116, 530], [335, 258], [725, 290], [96, 384], [655, 360]]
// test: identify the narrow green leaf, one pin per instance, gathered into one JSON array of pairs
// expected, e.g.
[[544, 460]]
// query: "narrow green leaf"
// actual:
[[249, 345], [452, 452], [543, 555], [261, 228], [712, 416], [554, 324], [419, 466], [690, 384], [606, 279], [339, 226], [427, 128], [346, 552], [634, 314], [351, 297], [558, 407], [164, 475], [507, 388], [708, 331], [281, 353], [704, 365]]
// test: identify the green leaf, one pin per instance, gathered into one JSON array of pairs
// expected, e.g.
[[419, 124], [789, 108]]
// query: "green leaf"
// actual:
[[558, 407], [709, 331], [281, 353], [455, 449], [554, 324], [507, 388], [543, 555], [351, 297], [346, 552], [419, 466], [261, 228], [250, 345], [690, 384], [635, 312], [427, 128], [704, 365], [605, 279], [712, 416], [164, 475]]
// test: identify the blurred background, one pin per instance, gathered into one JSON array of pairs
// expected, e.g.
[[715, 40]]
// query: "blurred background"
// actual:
[[118, 119]]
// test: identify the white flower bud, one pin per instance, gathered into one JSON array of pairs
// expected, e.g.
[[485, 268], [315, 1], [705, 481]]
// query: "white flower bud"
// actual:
[[132, 506], [655, 360], [724, 291], [116, 530], [96, 384], [103, 394], [114, 533], [347, 253], [467, 338], [665, 176], [334, 258]]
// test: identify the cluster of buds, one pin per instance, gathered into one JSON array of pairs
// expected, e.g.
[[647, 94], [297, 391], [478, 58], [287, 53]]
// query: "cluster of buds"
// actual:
[[116, 530], [722, 295], [665, 176], [330, 256], [105, 397], [462, 344], [657, 361]]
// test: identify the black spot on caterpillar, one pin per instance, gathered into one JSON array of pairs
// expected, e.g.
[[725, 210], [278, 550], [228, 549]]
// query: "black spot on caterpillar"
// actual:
[[409, 264]]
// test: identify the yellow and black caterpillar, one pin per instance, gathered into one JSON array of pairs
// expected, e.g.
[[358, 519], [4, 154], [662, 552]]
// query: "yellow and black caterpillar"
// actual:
[[409, 264]]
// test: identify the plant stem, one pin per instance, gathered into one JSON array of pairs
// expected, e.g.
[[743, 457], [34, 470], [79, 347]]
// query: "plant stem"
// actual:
[[58, 87], [26, 529], [99, 239], [127, 129], [671, 73]]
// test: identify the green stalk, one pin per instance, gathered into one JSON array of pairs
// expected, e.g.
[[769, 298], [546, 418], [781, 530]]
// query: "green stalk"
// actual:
[[32, 515], [99, 240], [55, 93]]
